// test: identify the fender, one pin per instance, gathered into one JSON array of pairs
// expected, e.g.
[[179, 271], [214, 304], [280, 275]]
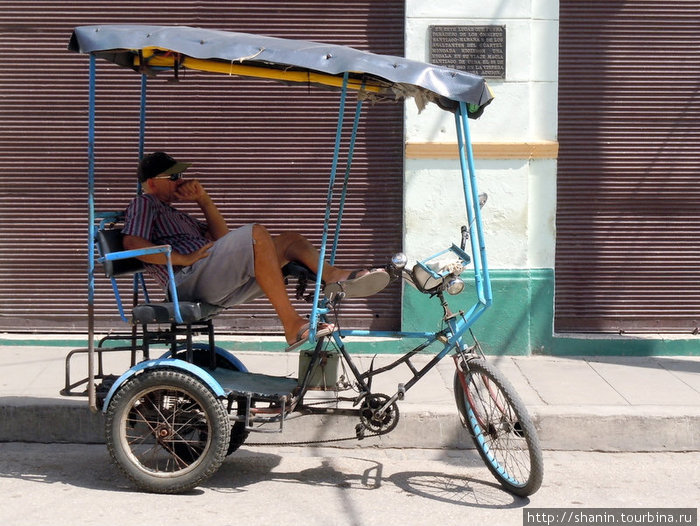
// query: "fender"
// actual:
[[233, 361], [165, 363]]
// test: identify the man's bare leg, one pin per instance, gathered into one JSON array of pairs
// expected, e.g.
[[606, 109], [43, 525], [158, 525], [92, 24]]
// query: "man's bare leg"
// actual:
[[271, 254], [358, 284], [268, 274], [294, 247]]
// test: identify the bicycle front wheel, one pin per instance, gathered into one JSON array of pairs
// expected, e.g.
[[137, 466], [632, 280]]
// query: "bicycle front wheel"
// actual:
[[500, 426]]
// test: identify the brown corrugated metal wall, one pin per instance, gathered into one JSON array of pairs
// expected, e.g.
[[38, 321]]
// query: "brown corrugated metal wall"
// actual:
[[263, 150], [628, 199]]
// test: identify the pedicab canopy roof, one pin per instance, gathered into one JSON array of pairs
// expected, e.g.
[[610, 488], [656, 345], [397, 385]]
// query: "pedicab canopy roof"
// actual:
[[156, 49]]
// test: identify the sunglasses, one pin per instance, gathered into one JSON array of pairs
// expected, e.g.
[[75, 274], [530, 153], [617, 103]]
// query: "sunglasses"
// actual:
[[172, 177]]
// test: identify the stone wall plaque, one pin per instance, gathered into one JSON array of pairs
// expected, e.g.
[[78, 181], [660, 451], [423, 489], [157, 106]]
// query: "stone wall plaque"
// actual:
[[476, 49]]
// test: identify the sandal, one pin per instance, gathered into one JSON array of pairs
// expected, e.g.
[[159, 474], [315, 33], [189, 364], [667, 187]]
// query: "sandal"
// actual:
[[323, 329], [360, 286]]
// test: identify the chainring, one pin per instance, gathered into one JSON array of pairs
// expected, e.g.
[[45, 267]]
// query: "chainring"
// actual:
[[375, 420]]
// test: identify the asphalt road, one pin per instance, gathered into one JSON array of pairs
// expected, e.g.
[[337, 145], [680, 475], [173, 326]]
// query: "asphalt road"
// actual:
[[71, 484]]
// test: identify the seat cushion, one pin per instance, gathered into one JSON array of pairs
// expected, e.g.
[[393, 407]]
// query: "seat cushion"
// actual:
[[191, 312]]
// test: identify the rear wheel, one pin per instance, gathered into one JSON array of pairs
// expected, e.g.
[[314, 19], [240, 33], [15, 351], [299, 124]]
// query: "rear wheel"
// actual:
[[167, 431], [500, 426], [202, 358]]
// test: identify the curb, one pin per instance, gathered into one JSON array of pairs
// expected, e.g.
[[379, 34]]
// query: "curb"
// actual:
[[566, 428]]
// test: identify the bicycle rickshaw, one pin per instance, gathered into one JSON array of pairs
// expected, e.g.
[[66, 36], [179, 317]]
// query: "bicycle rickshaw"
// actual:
[[171, 420]]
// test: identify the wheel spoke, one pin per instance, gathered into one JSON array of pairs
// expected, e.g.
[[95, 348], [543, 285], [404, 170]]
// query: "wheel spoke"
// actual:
[[164, 430], [496, 416]]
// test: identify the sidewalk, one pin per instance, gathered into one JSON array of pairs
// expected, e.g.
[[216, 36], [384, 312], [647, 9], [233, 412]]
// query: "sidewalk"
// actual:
[[581, 404]]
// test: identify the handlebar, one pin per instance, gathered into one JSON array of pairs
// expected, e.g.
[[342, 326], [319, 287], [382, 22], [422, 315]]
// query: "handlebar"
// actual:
[[432, 279]]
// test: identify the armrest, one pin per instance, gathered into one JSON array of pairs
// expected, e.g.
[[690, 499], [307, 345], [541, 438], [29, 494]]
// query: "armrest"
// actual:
[[159, 249], [126, 254]]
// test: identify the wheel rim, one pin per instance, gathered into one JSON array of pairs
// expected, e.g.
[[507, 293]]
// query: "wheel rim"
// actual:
[[497, 430], [166, 431]]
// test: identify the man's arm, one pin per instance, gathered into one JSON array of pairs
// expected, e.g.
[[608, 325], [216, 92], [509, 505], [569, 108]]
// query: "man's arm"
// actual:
[[183, 260], [192, 190]]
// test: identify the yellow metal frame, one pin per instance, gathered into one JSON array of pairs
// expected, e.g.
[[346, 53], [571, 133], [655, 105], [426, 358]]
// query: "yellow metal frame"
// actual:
[[152, 58]]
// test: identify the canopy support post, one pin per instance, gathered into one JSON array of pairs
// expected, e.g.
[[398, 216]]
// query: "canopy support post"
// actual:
[[142, 120], [471, 197], [316, 311], [142, 117], [92, 399], [341, 206], [138, 280]]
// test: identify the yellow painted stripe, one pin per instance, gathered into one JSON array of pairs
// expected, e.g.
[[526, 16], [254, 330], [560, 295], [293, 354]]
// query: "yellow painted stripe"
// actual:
[[485, 150]]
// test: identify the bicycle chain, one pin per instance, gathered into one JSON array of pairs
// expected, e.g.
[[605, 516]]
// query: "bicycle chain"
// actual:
[[325, 441], [309, 442]]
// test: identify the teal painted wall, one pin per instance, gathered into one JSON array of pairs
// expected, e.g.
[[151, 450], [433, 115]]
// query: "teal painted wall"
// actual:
[[519, 318], [520, 321]]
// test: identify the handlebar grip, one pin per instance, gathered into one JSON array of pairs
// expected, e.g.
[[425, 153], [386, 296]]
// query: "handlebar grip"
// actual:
[[465, 235]]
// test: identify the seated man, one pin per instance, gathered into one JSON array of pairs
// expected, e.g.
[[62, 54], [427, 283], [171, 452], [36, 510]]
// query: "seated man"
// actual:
[[220, 266]]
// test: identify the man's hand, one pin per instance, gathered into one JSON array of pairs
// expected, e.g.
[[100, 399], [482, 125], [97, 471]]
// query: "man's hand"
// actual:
[[191, 190], [185, 260]]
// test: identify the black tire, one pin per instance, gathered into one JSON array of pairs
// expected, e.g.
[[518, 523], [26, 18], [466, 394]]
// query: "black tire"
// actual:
[[200, 357], [500, 427], [167, 431], [239, 433]]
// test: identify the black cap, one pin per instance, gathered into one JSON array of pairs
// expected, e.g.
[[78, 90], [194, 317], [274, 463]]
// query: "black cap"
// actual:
[[159, 163]]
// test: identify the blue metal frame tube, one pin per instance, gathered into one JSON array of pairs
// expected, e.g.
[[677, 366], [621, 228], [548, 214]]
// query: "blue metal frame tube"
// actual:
[[315, 309], [475, 198], [91, 235], [91, 182], [343, 194], [476, 236], [464, 153], [471, 196], [142, 116], [138, 278]]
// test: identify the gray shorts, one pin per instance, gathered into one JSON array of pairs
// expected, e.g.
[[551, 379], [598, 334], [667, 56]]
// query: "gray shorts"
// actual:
[[227, 276]]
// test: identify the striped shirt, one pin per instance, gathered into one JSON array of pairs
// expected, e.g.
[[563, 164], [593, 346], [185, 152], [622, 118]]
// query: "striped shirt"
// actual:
[[150, 218]]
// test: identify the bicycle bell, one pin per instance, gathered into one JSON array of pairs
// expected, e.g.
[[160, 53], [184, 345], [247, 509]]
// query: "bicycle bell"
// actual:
[[399, 260]]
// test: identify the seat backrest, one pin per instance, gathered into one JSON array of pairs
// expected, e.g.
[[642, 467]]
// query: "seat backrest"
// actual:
[[111, 240]]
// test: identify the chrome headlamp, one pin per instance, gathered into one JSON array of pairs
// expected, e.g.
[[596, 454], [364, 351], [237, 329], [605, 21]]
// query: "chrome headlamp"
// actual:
[[455, 286]]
